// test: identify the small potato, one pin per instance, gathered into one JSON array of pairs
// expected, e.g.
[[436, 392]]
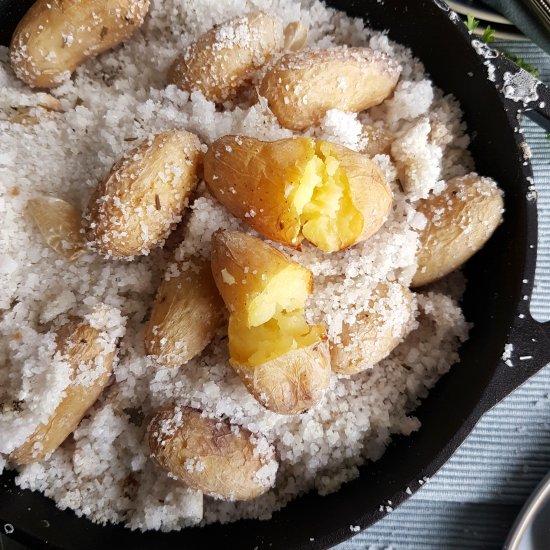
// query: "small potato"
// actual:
[[299, 188], [142, 198], [56, 36], [460, 221], [223, 460], [187, 312], [282, 360], [81, 346], [295, 36], [223, 59], [301, 87], [378, 141], [375, 332]]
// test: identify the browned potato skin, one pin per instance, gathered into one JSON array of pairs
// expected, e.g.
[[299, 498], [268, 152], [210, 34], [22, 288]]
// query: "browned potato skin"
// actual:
[[94, 25], [301, 87], [79, 343], [219, 70], [470, 202], [230, 465], [370, 338], [188, 308], [134, 182], [291, 383], [247, 174], [233, 251]]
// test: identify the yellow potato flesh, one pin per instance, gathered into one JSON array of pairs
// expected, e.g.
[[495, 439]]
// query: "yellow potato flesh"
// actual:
[[322, 202], [274, 323]]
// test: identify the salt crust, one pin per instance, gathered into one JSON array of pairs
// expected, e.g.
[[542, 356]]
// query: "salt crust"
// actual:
[[112, 101]]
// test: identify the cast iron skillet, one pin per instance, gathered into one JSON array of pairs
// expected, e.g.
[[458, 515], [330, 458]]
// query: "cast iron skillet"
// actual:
[[500, 276]]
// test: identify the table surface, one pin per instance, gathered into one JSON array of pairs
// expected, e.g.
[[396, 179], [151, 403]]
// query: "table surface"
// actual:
[[472, 502]]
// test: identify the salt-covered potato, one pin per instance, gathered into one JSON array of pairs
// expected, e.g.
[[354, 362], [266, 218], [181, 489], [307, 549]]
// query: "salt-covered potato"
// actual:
[[56, 36], [375, 333], [299, 188], [301, 87], [282, 360], [81, 346], [223, 59], [187, 312], [142, 198], [223, 460], [459, 222], [377, 141]]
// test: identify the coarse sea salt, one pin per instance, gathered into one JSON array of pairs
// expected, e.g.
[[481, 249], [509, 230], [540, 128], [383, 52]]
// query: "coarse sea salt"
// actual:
[[121, 97]]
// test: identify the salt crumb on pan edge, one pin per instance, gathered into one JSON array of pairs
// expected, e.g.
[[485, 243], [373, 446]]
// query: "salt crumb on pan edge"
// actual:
[[113, 101]]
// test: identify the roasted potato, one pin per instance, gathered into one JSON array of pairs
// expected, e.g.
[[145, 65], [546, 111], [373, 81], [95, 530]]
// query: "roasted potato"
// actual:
[[459, 222], [299, 188], [282, 360], [59, 222], [301, 87], [187, 312], [142, 198], [81, 346], [378, 141], [223, 460], [223, 59], [295, 36], [55, 36], [376, 331]]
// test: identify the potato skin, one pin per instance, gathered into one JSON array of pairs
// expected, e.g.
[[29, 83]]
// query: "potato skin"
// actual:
[[460, 221], [371, 337], [218, 64], [249, 177], [301, 87], [291, 383], [234, 251], [188, 309], [148, 188], [210, 455], [55, 36], [80, 344]]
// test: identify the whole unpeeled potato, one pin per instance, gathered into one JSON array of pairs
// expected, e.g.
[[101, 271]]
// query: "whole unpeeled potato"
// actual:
[[187, 312], [81, 346], [223, 59], [143, 197], [376, 331], [459, 222], [301, 87], [223, 460], [55, 36]]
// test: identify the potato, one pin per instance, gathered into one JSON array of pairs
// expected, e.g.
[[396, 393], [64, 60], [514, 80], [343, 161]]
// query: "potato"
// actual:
[[56, 36], [222, 460], [378, 141], [282, 360], [81, 346], [223, 59], [295, 36], [299, 188], [187, 312], [459, 222], [142, 198], [301, 87], [375, 332]]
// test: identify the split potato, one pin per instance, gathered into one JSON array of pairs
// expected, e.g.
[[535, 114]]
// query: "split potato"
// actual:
[[299, 188], [56, 36], [81, 346], [223, 59], [142, 198], [459, 222], [376, 332], [187, 312], [223, 460], [301, 87], [283, 361]]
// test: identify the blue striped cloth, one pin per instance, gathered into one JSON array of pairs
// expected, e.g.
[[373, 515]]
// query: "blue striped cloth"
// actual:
[[472, 502]]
